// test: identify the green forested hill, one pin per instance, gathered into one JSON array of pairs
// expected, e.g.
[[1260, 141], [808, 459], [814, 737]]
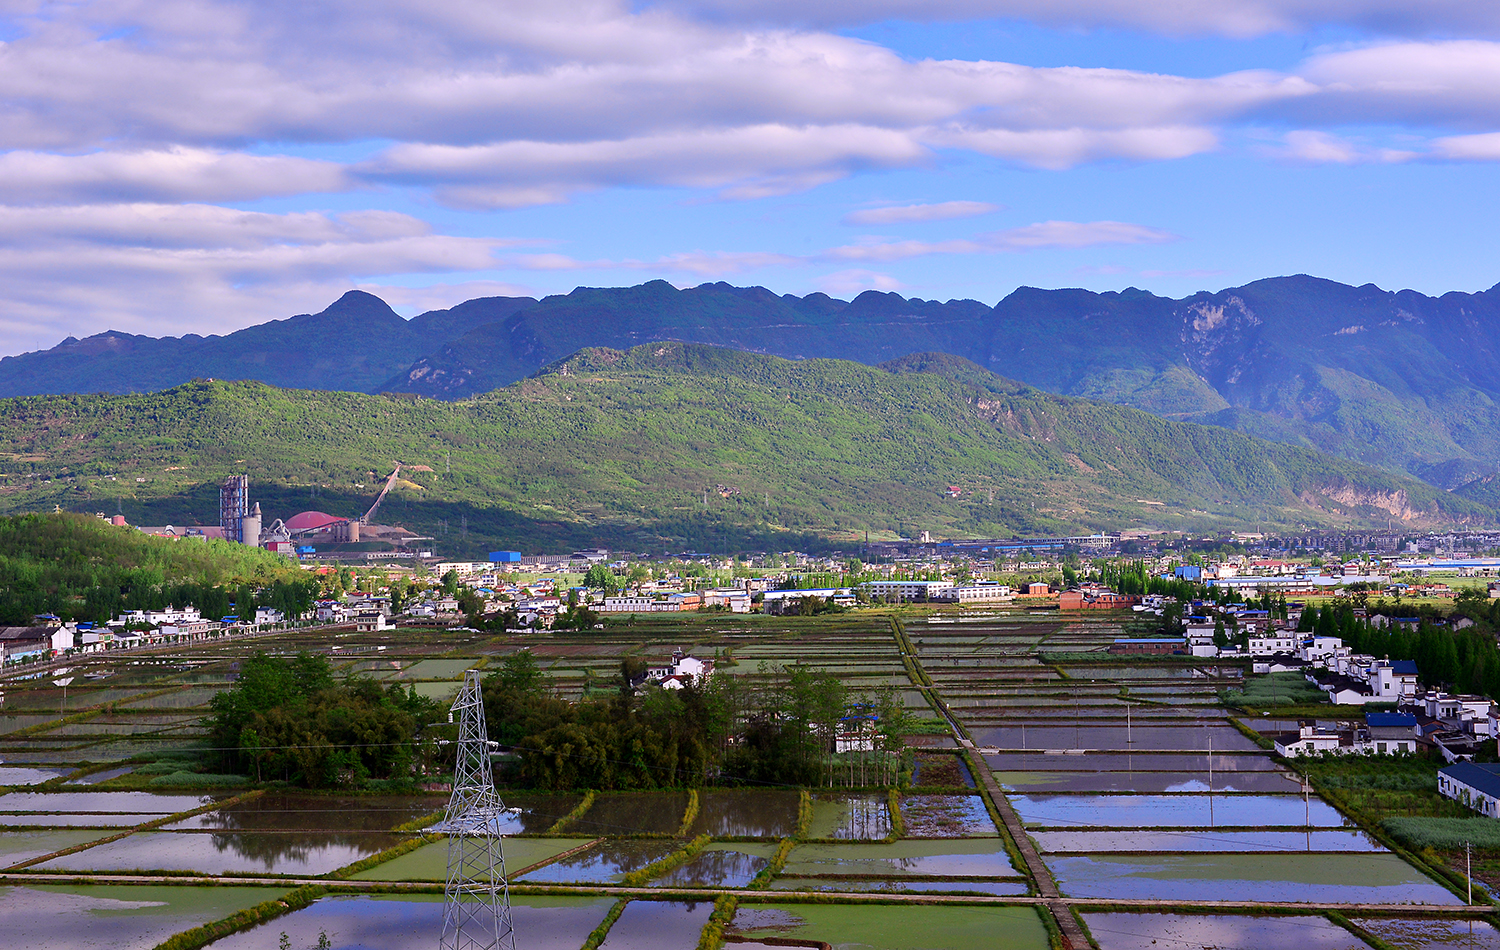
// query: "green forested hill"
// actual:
[[669, 445], [84, 568]]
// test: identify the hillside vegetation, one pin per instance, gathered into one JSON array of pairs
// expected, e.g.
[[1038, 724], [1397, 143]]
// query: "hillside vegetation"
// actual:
[[673, 445], [80, 567]]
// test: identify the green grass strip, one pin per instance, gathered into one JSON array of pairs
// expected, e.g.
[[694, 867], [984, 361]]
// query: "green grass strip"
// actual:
[[417, 824], [1055, 939], [762, 880], [1251, 734], [571, 816], [259, 914], [712, 937], [602, 931], [364, 864], [644, 876], [898, 823], [804, 814], [689, 816]]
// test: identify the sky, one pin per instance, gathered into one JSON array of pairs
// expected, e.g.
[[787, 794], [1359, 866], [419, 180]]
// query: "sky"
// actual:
[[197, 166]]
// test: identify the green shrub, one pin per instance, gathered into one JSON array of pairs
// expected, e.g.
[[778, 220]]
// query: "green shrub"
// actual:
[[198, 780]]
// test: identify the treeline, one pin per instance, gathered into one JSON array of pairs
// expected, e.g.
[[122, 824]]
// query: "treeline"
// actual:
[[780, 730], [82, 568], [1133, 579], [1467, 660], [290, 719]]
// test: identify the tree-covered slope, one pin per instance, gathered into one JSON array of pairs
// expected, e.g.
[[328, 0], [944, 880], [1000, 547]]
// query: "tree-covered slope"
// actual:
[[674, 445]]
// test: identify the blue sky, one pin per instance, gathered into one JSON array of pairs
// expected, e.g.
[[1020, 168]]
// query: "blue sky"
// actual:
[[173, 167]]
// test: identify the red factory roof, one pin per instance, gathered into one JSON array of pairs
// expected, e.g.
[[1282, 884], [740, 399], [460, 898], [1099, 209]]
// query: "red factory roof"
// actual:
[[310, 521]]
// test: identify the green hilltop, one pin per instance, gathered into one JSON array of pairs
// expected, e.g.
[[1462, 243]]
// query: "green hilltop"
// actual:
[[669, 446]]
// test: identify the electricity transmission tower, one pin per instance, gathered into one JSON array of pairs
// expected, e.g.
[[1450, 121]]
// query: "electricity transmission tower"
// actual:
[[476, 907]]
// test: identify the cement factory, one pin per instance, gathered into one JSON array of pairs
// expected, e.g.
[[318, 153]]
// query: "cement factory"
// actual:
[[307, 532]]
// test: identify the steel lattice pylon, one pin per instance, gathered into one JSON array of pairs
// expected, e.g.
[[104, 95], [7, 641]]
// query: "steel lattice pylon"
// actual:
[[476, 911]]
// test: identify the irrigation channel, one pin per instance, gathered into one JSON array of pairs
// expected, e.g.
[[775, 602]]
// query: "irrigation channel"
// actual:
[[1058, 799]]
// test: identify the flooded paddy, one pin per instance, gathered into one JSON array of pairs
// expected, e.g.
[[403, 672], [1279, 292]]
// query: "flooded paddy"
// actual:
[[882, 927], [850, 817], [1372, 878], [1428, 934], [390, 922], [953, 885], [945, 816], [1121, 762], [604, 863], [29, 775], [299, 853], [430, 862], [19, 846], [111, 917], [1175, 811], [290, 811], [721, 865], [658, 925], [1271, 782], [533, 814], [1157, 931], [745, 814], [160, 803], [1151, 738], [630, 813], [978, 857], [1057, 842]]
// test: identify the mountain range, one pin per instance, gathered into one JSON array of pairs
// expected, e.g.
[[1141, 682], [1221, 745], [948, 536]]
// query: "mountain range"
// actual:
[[671, 446], [1397, 380]]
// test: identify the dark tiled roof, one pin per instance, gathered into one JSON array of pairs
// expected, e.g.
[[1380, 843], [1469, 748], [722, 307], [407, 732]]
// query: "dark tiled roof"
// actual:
[[1404, 666], [1481, 777], [1390, 719]]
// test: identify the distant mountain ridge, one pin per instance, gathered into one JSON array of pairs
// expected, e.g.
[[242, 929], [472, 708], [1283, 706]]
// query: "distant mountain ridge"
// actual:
[[353, 344], [1399, 380]]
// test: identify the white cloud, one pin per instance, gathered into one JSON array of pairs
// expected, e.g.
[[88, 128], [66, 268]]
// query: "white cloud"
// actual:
[[1041, 236], [747, 162], [916, 213], [1236, 18], [168, 174], [1468, 148], [848, 283], [173, 269]]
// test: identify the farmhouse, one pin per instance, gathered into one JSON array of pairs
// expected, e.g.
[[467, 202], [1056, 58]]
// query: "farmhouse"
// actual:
[[1473, 784]]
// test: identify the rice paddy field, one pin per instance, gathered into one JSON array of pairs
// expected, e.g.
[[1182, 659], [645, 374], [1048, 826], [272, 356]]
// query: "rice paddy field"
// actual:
[[1052, 793]]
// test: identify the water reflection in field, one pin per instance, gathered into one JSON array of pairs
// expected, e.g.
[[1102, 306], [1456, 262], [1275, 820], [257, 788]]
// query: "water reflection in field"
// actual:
[[384, 922], [659, 925], [746, 814], [851, 817], [1157, 931], [1353, 878], [299, 853], [114, 917], [1175, 811], [974, 857], [605, 863], [1085, 842]]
